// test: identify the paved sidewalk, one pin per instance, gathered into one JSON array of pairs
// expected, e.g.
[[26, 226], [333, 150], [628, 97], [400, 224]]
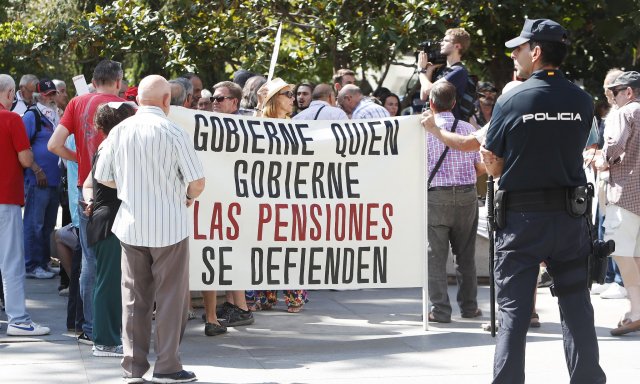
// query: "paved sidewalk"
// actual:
[[368, 336]]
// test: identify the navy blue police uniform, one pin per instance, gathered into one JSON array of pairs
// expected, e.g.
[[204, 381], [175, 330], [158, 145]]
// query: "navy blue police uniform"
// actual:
[[539, 129]]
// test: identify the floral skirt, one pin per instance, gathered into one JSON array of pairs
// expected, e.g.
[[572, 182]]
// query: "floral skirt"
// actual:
[[293, 298]]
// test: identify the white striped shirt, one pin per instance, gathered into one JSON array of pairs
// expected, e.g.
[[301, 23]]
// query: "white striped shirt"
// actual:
[[151, 161], [367, 109]]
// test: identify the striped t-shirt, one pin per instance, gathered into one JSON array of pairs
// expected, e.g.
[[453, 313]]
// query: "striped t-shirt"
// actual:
[[151, 161]]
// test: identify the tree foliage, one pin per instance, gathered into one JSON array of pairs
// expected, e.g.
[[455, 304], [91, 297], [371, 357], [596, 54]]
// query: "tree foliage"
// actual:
[[215, 38]]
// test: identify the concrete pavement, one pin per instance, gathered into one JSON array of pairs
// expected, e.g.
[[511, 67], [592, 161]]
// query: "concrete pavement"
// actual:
[[371, 336]]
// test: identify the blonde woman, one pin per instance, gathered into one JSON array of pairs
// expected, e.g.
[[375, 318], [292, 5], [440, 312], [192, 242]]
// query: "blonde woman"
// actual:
[[276, 99]]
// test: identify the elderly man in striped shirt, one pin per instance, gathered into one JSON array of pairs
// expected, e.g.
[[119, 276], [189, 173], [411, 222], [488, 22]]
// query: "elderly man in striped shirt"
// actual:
[[154, 166], [452, 211], [357, 106]]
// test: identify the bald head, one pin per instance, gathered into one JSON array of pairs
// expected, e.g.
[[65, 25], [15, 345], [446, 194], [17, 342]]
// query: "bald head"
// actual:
[[323, 92], [154, 91], [349, 97]]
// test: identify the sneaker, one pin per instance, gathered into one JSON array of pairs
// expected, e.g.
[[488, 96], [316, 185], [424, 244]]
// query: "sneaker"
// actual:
[[235, 317], [545, 280], [615, 291], [133, 379], [177, 377], [107, 351], [27, 329], [597, 289], [64, 292], [212, 329], [52, 269], [39, 273], [84, 339], [223, 311]]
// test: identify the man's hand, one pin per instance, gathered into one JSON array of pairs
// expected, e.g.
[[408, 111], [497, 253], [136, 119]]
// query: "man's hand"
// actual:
[[189, 202], [41, 178], [429, 122], [493, 163]]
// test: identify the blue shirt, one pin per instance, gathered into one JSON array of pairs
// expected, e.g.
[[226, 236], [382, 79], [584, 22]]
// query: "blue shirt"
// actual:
[[540, 129], [41, 155], [72, 182], [457, 75]]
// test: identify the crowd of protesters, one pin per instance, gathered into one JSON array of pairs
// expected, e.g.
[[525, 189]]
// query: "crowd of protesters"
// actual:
[[122, 268]]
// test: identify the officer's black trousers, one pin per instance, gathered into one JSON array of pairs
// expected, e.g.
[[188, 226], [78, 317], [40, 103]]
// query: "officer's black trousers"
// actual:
[[528, 239]]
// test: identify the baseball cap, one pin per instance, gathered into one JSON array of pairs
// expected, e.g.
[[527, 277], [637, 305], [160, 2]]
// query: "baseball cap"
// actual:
[[626, 79], [45, 87], [539, 30], [486, 86]]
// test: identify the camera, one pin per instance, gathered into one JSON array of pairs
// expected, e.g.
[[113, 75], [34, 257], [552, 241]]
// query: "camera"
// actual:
[[432, 49], [598, 261]]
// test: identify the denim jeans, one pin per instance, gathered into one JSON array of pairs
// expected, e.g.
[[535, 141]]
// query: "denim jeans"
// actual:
[[87, 273], [12, 263], [40, 214]]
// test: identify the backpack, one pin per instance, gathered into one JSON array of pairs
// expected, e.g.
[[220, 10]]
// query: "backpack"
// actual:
[[467, 102], [38, 117]]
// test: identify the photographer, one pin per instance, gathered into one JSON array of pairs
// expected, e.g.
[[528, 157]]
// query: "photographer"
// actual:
[[455, 43]]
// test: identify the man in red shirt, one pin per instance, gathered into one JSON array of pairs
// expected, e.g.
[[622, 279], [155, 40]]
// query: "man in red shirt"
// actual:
[[15, 154], [78, 120]]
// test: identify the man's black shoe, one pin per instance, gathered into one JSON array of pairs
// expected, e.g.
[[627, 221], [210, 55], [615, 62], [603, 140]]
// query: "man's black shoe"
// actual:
[[211, 329], [545, 280], [236, 317], [176, 377]]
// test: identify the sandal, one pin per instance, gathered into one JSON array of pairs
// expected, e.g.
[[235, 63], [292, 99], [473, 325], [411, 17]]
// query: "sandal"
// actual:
[[294, 309], [535, 320]]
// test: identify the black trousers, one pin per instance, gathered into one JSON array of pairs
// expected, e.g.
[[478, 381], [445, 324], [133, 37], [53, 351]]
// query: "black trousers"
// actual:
[[558, 239]]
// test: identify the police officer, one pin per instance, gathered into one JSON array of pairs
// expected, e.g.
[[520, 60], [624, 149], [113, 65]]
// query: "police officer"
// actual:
[[534, 142]]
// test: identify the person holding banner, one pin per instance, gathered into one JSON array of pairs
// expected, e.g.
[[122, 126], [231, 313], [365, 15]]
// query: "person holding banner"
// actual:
[[276, 101], [452, 211]]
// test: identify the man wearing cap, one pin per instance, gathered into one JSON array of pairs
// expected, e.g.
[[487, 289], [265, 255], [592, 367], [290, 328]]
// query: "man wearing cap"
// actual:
[[41, 182], [534, 143], [487, 94], [621, 156]]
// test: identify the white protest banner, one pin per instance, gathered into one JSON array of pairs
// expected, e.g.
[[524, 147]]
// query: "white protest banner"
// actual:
[[307, 204]]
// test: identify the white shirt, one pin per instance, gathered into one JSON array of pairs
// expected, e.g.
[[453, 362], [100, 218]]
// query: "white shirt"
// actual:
[[367, 109], [151, 161], [21, 106], [328, 112]]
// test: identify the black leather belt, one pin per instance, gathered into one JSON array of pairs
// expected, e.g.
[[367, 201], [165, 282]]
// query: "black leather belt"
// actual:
[[457, 188], [543, 200]]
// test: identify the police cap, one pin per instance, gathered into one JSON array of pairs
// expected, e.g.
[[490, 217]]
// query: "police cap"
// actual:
[[539, 30]]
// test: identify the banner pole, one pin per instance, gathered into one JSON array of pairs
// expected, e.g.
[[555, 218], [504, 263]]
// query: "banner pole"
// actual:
[[425, 251], [274, 55]]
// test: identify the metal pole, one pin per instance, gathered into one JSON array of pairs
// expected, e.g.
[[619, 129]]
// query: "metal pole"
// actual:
[[491, 228]]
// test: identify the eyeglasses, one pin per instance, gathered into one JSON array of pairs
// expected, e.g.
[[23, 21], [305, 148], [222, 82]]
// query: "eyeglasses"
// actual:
[[289, 94], [615, 91], [219, 99]]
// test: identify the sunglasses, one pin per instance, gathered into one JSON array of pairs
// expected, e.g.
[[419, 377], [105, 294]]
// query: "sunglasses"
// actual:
[[289, 94], [615, 91], [219, 99]]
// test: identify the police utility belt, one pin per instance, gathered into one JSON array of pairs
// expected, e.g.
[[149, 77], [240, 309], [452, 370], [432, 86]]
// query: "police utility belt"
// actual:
[[574, 200]]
